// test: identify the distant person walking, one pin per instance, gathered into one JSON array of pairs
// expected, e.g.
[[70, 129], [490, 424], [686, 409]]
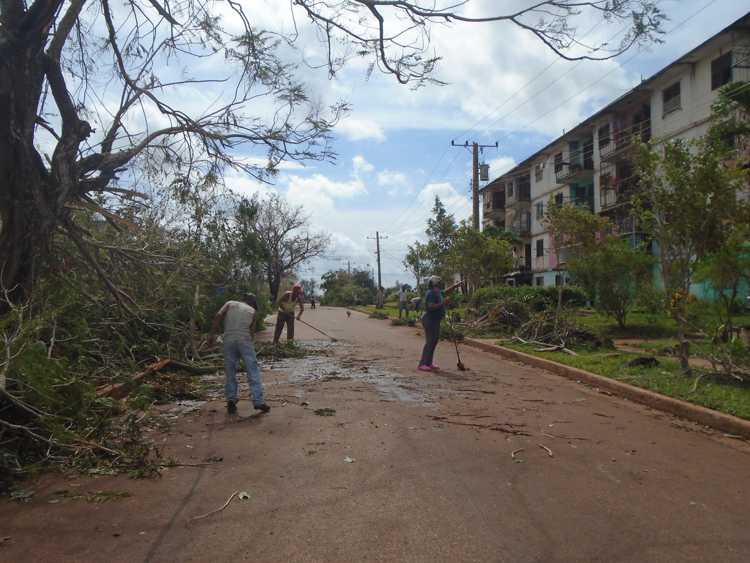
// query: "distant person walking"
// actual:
[[403, 302], [285, 316], [239, 323], [434, 306]]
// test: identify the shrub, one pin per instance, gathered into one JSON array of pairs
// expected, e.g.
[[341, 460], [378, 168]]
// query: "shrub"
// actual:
[[536, 298]]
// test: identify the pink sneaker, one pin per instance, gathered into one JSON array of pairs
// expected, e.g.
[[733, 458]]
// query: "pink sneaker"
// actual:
[[434, 366], [424, 368]]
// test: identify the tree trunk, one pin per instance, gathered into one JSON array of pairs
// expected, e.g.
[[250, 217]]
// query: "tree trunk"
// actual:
[[274, 282], [26, 193], [683, 347]]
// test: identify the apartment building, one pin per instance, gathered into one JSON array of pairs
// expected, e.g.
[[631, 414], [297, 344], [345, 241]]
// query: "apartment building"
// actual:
[[592, 164]]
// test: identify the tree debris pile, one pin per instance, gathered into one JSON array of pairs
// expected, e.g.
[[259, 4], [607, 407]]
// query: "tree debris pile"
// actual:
[[548, 330], [505, 316]]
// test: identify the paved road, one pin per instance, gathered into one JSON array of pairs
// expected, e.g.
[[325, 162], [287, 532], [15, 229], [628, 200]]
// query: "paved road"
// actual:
[[432, 478]]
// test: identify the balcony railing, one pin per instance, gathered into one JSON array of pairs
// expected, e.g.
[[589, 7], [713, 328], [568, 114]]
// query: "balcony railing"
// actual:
[[522, 227], [623, 142], [580, 165], [619, 193]]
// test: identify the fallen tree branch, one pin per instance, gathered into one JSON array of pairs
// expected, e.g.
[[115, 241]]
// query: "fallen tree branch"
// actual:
[[497, 427], [207, 514], [547, 347]]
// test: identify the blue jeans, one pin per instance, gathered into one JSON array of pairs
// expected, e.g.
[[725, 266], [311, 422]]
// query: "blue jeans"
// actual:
[[234, 349]]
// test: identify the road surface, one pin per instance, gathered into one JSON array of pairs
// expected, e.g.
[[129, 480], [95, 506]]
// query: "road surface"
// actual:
[[500, 463]]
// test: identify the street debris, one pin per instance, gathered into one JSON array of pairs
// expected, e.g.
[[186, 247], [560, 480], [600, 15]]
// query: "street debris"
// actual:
[[326, 411], [506, 427], [95, 497], [348, 459], [514, 453], [244, 495], [21, 495], [546, 449], [207, 514]]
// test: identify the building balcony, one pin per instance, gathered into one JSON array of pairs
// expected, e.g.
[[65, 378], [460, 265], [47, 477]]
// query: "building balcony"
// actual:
[[623, 143], [619, 194], [576, 171], [521, 228]]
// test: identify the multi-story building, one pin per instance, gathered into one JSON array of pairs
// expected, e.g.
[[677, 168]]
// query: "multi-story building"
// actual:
[[592, 164]]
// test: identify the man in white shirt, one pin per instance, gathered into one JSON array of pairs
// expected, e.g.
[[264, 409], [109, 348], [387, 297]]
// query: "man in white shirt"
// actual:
[[239, 323]]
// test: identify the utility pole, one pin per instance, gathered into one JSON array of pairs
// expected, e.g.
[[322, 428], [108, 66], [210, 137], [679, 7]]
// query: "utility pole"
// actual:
[[475, 148], [377, 253], [349, 267]]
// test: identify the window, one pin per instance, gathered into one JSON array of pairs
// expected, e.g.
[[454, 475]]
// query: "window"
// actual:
[[540, 247], [540, 211], [498, 200], [721, 70], [558, 162], [509, 189], [559, 198], [604, 136], [671, 98], [539, 172], [539, 280]]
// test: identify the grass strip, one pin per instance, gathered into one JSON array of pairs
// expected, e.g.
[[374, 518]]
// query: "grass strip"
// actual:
[[666, 378]]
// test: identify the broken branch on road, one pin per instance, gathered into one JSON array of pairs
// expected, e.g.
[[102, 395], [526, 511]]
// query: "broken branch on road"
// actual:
[[505, 427]]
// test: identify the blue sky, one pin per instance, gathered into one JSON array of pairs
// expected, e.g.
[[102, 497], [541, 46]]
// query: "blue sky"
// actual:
[[393, 148]]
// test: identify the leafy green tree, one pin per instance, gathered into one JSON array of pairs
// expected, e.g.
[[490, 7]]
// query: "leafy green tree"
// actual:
[[687, 203], [573, 232], [726, 270], [441, 230], [479, 258], [612, 272], [343, 288], [417, 261]]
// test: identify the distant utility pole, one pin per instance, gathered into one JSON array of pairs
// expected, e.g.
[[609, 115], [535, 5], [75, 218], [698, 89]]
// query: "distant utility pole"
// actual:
[[349, 267], [475, 148], [377, 253]]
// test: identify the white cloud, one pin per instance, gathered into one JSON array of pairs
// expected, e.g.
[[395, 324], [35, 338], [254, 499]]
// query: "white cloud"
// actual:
[[390, 178], [361, 129], [320, 184], [247, 186], [360, 165], [500, 165]]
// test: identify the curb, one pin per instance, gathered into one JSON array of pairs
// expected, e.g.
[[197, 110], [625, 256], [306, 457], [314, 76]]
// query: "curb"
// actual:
[[695, 413]]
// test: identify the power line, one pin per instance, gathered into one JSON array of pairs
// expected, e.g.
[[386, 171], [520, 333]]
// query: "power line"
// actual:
[[598, 80]]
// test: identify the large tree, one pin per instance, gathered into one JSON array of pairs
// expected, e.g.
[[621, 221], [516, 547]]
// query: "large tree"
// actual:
[[98, 98], [283, 233], [417, 261], [688, 203], [479, 258]]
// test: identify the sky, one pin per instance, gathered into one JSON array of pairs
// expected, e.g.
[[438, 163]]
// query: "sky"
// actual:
[[394, 151]]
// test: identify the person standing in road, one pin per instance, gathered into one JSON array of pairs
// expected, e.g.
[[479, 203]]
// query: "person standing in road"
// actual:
[[287, 302], [403, 303], [239, 327], [434, 306]]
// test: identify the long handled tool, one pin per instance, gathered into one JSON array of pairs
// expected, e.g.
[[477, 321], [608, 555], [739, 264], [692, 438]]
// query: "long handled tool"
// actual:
[[459, 365], [320, 331], [454, 336]]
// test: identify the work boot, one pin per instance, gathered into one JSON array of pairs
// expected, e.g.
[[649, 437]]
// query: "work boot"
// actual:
[[231, 407], [264, 408]]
